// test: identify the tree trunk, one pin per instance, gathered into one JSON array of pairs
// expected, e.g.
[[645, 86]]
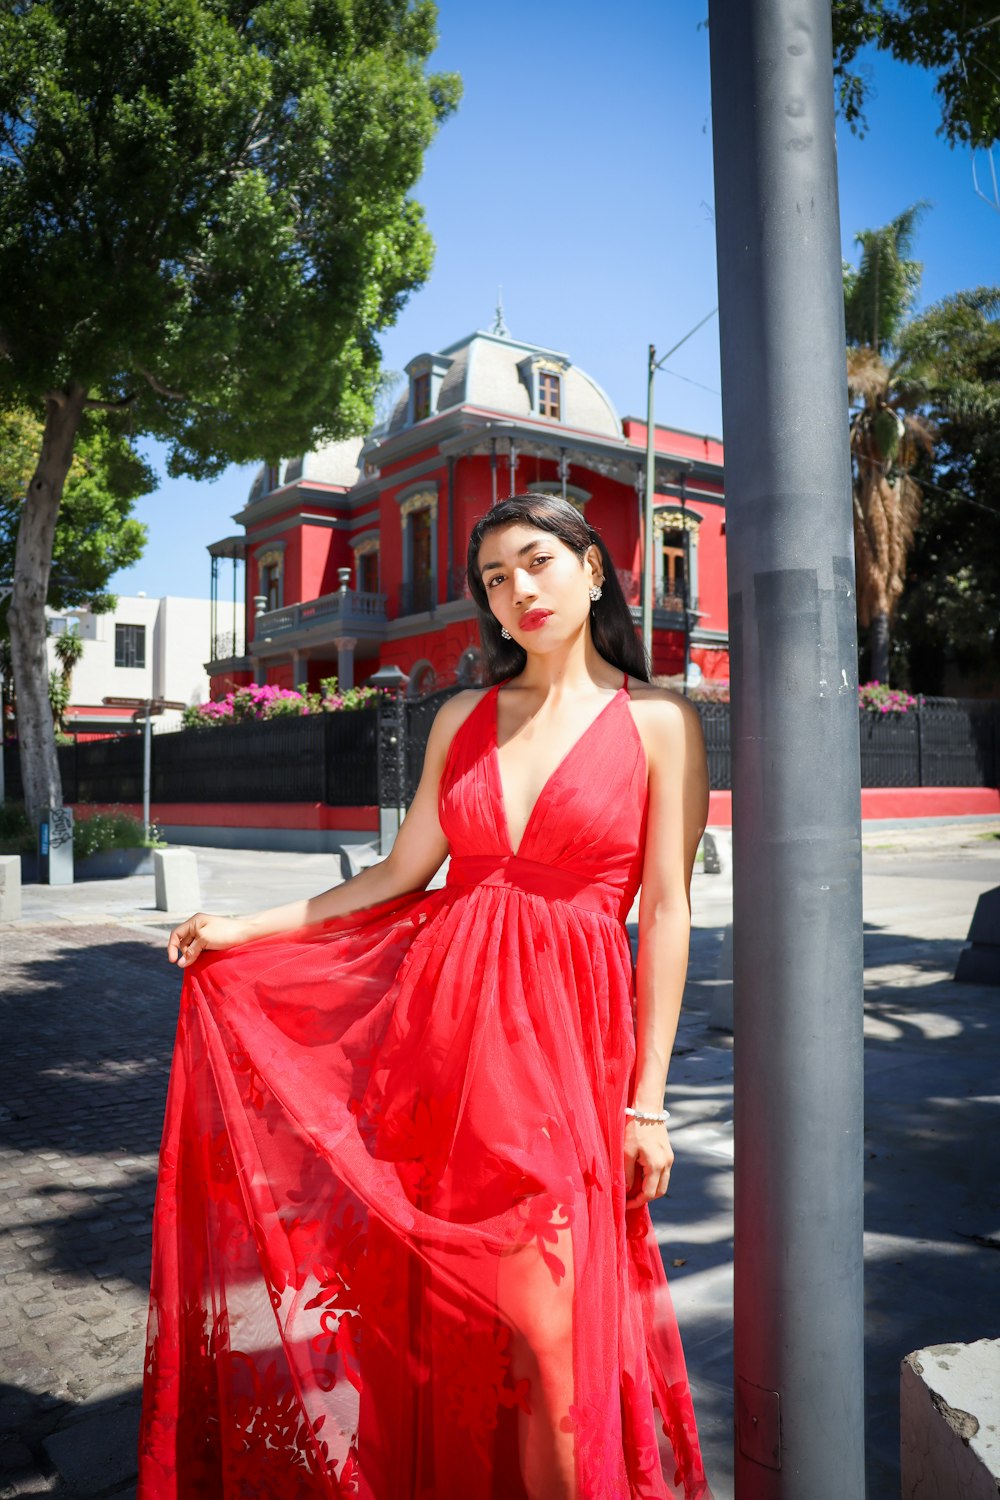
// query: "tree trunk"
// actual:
[[879, 641], [26, 616]]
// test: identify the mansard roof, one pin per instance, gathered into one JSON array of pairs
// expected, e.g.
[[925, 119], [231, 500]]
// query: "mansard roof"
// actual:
[[332, 463], [490, 371]]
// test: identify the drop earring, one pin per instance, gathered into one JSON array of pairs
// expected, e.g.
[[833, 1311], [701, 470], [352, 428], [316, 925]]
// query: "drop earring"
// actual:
[[595, 593], [506, 633]]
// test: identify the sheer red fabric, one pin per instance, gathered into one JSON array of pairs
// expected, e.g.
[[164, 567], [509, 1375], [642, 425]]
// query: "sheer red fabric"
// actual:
[[392, 1256]]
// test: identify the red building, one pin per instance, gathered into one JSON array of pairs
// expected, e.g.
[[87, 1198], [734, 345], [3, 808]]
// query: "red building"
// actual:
[[354, 554]]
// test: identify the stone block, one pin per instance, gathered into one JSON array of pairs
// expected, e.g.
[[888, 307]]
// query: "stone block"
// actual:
[[357, 857], [949, 1416], [175, 874], [717, 844], [720, 1015], [10, 887], [980, 962]]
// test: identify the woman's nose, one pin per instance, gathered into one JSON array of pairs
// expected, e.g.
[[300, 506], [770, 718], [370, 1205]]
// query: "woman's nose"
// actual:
[[523, 584]]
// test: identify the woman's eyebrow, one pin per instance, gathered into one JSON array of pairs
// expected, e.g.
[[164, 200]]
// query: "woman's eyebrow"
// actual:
[[485, 567]]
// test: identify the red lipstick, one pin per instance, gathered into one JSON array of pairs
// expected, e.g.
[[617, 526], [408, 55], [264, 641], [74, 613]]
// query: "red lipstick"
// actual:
[[534, 618]]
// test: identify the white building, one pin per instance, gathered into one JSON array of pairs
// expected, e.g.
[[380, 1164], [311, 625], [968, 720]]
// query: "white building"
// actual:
[[146, 648]]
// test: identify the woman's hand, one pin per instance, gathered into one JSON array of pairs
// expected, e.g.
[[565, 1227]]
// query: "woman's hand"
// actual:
[[648, 1159], [200, 932]]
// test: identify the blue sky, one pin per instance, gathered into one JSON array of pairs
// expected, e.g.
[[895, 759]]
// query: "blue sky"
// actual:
[[577, 174]]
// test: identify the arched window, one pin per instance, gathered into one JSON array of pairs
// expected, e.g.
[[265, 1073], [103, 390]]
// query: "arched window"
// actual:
[[676, 557], [270, 565], [366, 565], [418, 518]]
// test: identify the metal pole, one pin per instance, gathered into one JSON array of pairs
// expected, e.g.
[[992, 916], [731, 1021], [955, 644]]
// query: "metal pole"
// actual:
[[147, 745], [686, 582], [796, 777], [647, 540]]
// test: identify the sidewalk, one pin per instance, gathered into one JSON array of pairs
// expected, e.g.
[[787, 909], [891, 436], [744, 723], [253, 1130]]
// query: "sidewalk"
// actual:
[[90, 1009]]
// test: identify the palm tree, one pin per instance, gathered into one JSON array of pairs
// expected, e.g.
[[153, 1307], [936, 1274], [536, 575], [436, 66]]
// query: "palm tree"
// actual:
[[69, 649], [890, 375]]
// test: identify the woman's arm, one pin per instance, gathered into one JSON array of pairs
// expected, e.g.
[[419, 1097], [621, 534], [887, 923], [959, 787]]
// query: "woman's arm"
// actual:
[[678, 813], [418, 851]]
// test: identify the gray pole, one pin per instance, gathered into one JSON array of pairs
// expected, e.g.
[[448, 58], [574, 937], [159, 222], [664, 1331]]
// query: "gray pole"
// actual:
[[147, 743], [647, 536], [796, 773]]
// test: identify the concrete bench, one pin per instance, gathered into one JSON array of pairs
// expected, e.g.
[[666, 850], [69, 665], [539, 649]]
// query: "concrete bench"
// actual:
[[175, 876], [10, 887], [357, 857], [949, 1422]]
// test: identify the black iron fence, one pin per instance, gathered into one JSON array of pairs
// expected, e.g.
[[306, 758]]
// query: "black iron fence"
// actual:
[[356, 759]]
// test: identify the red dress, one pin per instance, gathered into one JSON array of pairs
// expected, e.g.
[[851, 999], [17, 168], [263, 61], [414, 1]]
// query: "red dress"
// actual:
[[392, 1256]]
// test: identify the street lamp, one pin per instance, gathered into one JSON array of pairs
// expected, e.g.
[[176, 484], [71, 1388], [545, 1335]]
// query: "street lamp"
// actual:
[[148, 706], [647, 546]]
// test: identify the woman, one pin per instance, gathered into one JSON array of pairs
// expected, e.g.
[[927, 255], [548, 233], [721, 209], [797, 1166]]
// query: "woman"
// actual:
[[402, 1246]]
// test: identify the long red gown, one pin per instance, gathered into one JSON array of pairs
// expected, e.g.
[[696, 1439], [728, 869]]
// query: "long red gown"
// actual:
[[392, 1256]]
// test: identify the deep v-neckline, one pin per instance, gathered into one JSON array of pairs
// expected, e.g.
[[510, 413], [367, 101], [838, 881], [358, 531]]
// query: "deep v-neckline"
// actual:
[[502, 800]]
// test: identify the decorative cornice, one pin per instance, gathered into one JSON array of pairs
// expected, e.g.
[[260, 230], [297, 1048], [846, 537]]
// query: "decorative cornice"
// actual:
[[672, 518], [424, 500]]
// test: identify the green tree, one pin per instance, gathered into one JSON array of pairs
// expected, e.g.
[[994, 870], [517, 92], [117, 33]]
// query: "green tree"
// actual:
[[205, 222], [950, 610], [958, 41], [95, 532]]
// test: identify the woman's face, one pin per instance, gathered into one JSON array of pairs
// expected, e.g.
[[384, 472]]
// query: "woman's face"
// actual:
[[536, 585]]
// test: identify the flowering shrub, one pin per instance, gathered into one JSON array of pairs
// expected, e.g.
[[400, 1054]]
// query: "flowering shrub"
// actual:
[[883, 699], [265, 701]]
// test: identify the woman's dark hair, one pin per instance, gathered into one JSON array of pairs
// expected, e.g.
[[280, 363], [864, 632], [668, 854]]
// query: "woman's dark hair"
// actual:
[[611, 626]]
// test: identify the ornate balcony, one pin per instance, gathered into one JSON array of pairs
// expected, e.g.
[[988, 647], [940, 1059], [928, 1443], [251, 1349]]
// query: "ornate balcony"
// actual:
[[347, 611]]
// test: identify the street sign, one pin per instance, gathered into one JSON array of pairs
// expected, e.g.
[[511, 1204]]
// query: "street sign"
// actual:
[[152, 705], [144, 708]]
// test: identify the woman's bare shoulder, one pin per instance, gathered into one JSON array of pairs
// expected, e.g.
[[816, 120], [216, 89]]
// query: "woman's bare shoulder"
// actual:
[[453, 713], [661, 704], [664, 718]]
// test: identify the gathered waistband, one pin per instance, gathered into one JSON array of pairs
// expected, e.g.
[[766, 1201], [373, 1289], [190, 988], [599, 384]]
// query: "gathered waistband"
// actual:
[[536, 879]]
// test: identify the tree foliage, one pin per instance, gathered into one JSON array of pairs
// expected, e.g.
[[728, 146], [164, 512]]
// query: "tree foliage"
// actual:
[[96, 533], [205, 223], [204, 210], [947, 623], [956, 40]]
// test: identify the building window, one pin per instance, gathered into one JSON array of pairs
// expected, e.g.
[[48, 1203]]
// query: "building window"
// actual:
[[420, 532], [674, 568], [421, 396], [130, 645], [367, 571], [269, 566], [548, 394], [271, 477], [270, 584]]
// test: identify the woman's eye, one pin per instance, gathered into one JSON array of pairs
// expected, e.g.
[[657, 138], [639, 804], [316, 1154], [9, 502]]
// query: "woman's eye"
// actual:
[[497, 577]]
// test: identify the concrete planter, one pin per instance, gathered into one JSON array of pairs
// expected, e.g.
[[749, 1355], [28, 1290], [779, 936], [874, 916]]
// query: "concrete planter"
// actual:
[[108, 864]]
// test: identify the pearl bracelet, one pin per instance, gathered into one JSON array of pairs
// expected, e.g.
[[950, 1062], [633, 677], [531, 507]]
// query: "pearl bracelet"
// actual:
[[648, 1114]]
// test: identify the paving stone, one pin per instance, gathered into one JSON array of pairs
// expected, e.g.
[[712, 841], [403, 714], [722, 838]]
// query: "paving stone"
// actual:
[[96, 1452]]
